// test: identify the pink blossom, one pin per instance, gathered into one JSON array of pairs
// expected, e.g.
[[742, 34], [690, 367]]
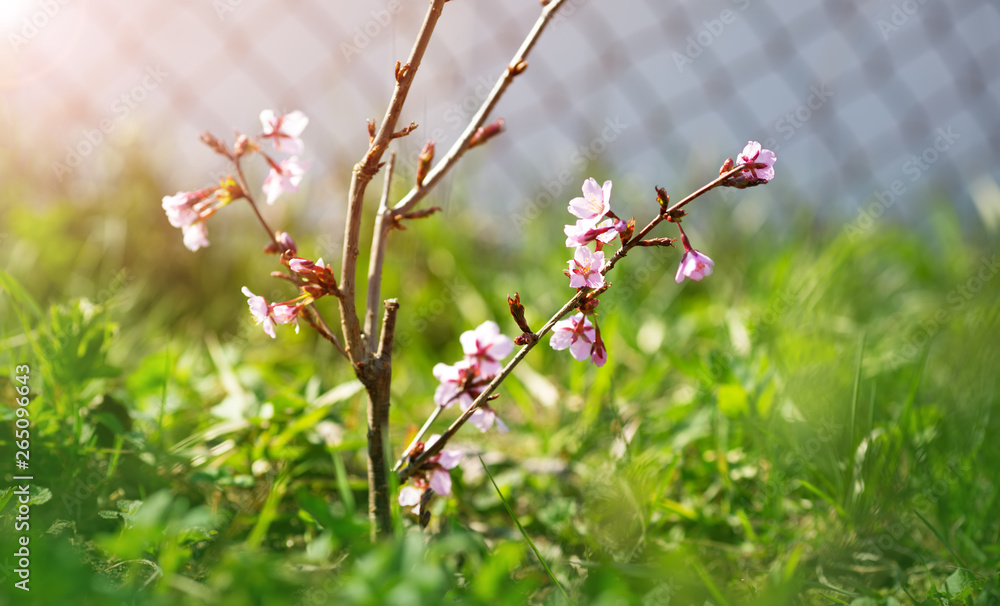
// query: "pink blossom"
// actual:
[[595, 203], [269, 315], [283, 314], [188, 211], [485, 347], [433, 475], [585, 232], [458, 383], [284, 130], [180, 207], [694, 265], [409, 496], [285, 177], [485, 417], [576, 333], [753, 154], [260, 311], [195, 236], [585, 268]]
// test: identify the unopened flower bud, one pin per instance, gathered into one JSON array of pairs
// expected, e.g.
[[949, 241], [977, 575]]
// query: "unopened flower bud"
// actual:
[[242, 146], [658, 242], [281, 244], [662, 197], [726, 166], [485, 133], [589, 305], [217, 146], [625, 230], [424, 164], [518, 68], [517, 311]]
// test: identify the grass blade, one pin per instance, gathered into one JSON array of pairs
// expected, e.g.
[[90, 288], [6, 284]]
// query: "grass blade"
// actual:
[[942, 539], [524, 533]]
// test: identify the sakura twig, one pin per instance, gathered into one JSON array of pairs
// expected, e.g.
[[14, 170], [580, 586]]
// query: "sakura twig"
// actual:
[[425, 182], [364, 171], [315, 320], [410, 466], [377, 258], [516, 66], [242, 180]]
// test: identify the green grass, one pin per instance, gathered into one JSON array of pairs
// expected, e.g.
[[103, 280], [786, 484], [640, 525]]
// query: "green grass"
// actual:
[[812, 424]]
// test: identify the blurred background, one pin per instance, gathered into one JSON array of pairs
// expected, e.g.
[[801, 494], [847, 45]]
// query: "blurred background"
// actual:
[[810, 425], [852, 95]]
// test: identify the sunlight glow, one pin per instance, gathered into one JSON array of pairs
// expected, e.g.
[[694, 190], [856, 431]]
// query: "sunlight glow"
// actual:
[[13, 12]]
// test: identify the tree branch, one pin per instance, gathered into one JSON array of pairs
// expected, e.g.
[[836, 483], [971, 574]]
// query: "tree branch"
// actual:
[[570, 305], [364, 171], [377, 257], [515, 67]]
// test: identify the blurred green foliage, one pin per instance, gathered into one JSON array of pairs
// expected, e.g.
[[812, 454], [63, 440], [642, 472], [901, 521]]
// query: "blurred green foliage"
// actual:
[[810, 425]]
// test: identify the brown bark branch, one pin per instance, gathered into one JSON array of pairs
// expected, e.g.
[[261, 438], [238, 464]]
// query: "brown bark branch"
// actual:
[[363, 172], [376, 258], [514, 68], [376, 375]]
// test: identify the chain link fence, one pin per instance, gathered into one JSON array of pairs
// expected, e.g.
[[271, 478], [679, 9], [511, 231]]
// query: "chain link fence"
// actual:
[[864, 102]]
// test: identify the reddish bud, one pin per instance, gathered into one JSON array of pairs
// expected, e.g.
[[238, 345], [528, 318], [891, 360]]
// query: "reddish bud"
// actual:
[[243, 146], [626, 234], [662, 197], [420, 214], [658, 242], [217, 146], [517, 311], [424, 164], [518, 68], [726, 166], [485, 133], [281, 244], [589, 305]]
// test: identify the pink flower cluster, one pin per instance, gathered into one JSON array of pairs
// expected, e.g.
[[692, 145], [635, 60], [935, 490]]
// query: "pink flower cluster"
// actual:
[[315, 280], [432, 476], [595, 223], [190, 210], [464, 381], [581, 337]]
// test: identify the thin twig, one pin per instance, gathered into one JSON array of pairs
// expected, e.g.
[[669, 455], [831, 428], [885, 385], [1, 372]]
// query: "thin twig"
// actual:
[[459, 148], [363, 172], [317, 322], [246, 194], [570, 305], [420, 434], [377, 257]]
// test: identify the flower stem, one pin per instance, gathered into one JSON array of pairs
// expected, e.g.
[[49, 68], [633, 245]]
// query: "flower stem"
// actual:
[[570, 305]]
